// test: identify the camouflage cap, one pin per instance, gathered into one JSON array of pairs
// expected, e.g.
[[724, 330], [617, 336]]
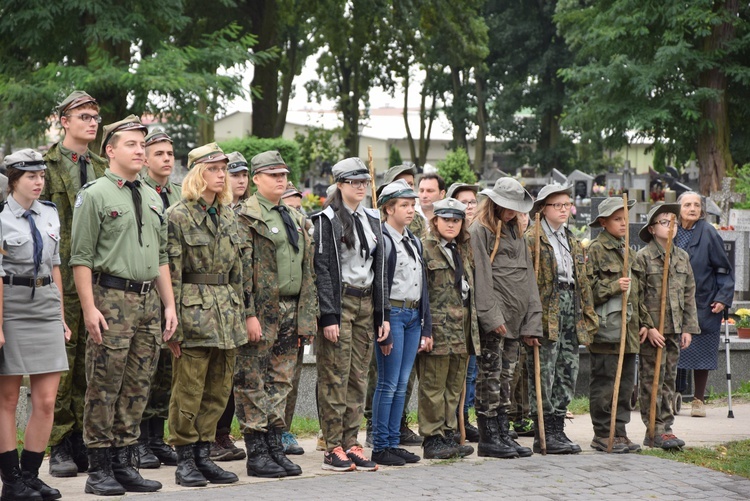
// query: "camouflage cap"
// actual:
[[206, 154], [157, 136], [459, 187], [131, 122], [237, 162], [449, 208], [74, 100], [396, 189], [350, 168], [608, 207], [646, 235], [548, 191], [268, 162], [25, 159], [509, 194], [291, 191]]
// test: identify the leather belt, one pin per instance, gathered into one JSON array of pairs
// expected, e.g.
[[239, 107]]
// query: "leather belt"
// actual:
[[27, 281], [405, 304], [566, 286], [351, 290], [205, 278], [122, 284]]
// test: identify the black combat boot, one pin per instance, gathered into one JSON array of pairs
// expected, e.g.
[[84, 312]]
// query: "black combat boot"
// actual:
[[187, 473], [259, 462], [463, 450], [30, 463], [408, 437], [123, 462], [101, 479], [276, 451], [78, 451], [472, 433], [162, 451], [503, 427], [14, 487], [490, 444], [61, 462], [435, 447], [209, 469], [552, 443], [562, 437], [146, 457]]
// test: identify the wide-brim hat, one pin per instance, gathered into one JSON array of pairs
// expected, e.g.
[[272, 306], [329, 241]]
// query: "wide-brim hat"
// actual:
[[646, 235], [459, 187], [608, 207], [509, 194], [548, 191], [26, 159], [395, 171], [396, 189], [131, 122]]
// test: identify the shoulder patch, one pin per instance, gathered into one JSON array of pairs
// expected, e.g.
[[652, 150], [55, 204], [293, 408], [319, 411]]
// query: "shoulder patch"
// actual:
[[79, 199]]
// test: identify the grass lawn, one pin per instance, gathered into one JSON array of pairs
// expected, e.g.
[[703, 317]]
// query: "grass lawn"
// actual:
[[732, 458]]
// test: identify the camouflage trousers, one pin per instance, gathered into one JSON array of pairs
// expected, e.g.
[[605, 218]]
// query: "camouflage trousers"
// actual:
[[441, 380], [519, 390], [372, 382], [342, 369], [601, 391], [497, 364], [559, 363], [670, 355], [291, 399], [72, 390], [119, 371], [201, 383], [161, 388], [264, 373]]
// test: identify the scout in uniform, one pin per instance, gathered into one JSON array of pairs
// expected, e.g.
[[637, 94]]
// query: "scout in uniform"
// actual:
[[70, 165], [152, 451], [350, 271], [238, 178], [568, 317], [204, 257], [281, 305], [680, 321], [119, 261], [605, 269], [508, 308], [32, 318]]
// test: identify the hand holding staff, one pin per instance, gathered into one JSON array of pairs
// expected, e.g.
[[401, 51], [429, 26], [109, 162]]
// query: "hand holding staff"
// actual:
[[371, 165], [537, 362]]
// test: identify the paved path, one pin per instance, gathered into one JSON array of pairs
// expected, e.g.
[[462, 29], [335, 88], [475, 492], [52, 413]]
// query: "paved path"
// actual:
[[590, 475]]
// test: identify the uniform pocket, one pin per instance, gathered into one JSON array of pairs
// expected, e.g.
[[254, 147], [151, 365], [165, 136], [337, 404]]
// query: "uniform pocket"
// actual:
[[197, 239], [115, 219], [20, 248]]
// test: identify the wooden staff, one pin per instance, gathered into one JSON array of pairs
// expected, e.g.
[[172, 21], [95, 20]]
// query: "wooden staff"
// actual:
[[461, 422], [371, 165], [537, 363], [623, 331], [662, 317]]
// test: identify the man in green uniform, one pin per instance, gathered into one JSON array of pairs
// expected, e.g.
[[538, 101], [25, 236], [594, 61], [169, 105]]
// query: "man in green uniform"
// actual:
[[70, 165], [118, 256], [281, 305]]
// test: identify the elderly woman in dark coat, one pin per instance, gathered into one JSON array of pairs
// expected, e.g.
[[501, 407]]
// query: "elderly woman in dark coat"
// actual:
[[714, 280]]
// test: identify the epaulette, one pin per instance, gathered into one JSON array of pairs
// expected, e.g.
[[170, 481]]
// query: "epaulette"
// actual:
[[48, 203], [90, 183]]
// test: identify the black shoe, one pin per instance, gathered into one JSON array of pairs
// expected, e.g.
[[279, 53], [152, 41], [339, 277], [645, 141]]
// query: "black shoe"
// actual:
[[124, 460], [78, 451], [405, 455], [503, 427], [101, 479], [436, 448], [337, 460], [408, 437], [146, 458], [61, 462], [562, 437], [210, 470], [162, 451], [490, 444], [259, 462], [276, 451], [553, 445], [472, 433], [387, 458], [187, 473], [30, 463], [463, 450], [14, 488]]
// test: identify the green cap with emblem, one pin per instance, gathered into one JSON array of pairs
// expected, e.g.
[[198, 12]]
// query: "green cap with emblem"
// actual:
[[449, 208], [268, 162], [74, 100], [608, 207], [206, 154], [396, 189], [131, 122], [25, 159], [237, 162], [157, 136]]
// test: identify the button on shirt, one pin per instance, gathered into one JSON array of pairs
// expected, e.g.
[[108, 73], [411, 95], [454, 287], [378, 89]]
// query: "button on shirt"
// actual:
[[559, 241], [407, 277], [355, 269], [15, 235], [288, 262]]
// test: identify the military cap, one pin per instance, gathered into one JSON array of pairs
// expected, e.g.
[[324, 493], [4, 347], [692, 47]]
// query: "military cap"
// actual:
[[25, 159], [269, 162], [449, 208], [157, 136], [206, 154], [132, 122], [396, 189], [74, 100], [646, 235], [608, 207], [548, 191], [509, 194], [237, 162], [459, 187], [291, 191], [395, 171], [350, 168]]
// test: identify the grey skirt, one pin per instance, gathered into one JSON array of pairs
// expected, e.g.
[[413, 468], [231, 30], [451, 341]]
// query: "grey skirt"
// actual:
[[33, 329]]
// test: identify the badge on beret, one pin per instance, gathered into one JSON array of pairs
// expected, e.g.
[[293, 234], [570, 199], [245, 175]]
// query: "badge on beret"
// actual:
[[79, 200]]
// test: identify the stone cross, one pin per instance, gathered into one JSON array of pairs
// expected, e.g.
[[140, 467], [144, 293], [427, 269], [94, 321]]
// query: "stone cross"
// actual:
[[692, 172], [725, 198]]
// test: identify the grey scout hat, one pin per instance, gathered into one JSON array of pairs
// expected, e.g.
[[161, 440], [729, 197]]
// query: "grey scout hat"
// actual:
[[25, 159], [396, 189], [509, 194], [131, 122], [449, 208], [548, 191], [608, 207], [237, 162], [395, 171], [459, 187], [646, 235], [74, 100], [268, 162], [157, 136], [350, 168]]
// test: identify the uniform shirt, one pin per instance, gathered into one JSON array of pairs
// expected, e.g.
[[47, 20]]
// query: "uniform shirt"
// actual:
[[70, 162], [15, 235], [407, 277], [105, 236], [560, 244], [464, 283], [355, 269], [174, 191], [288, 262]]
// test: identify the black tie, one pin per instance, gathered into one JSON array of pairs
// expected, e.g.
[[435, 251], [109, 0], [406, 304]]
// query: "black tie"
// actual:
[[38, 246], [364, 248], [409, 250], [163, 194], [458, 264], [291, 228], [133, 185], [83, 164], [214, 216]]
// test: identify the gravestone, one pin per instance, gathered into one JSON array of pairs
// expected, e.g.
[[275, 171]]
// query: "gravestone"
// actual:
[[613, 183], [739, 219], [557, 177], [691, 175], [642, 182], [582, 183], [737, 247], [725, 198]]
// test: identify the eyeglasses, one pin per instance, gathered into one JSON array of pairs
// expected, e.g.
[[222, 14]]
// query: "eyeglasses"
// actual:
[[358, 184], [471, 203], [86, 118], [215, 170], [560, 206], [663, 222]]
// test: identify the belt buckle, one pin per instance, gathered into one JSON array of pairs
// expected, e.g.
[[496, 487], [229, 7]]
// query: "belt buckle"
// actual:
[[145, 288], [39, 282]]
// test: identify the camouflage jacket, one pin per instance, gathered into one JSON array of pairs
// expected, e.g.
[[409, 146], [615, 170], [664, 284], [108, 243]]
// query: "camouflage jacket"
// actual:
[[260, 274], [60, 189], [604, 268], [208, 315], [418, 226], [587, 321], [446, 303], [681, 314]]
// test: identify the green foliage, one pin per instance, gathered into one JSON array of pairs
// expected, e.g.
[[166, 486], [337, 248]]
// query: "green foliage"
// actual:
[[394, 157], [251, 146], [456, 168], [732, 458], [319, 149], [742, 185], [660, 158]]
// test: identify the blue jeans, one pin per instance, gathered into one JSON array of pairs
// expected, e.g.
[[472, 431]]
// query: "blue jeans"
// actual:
[[393, 376], [471, 383]]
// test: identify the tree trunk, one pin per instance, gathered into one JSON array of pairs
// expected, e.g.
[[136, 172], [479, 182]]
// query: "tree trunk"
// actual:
[[264, 21], [480, 147], [409, 136], [459, 99], [287, 79]]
